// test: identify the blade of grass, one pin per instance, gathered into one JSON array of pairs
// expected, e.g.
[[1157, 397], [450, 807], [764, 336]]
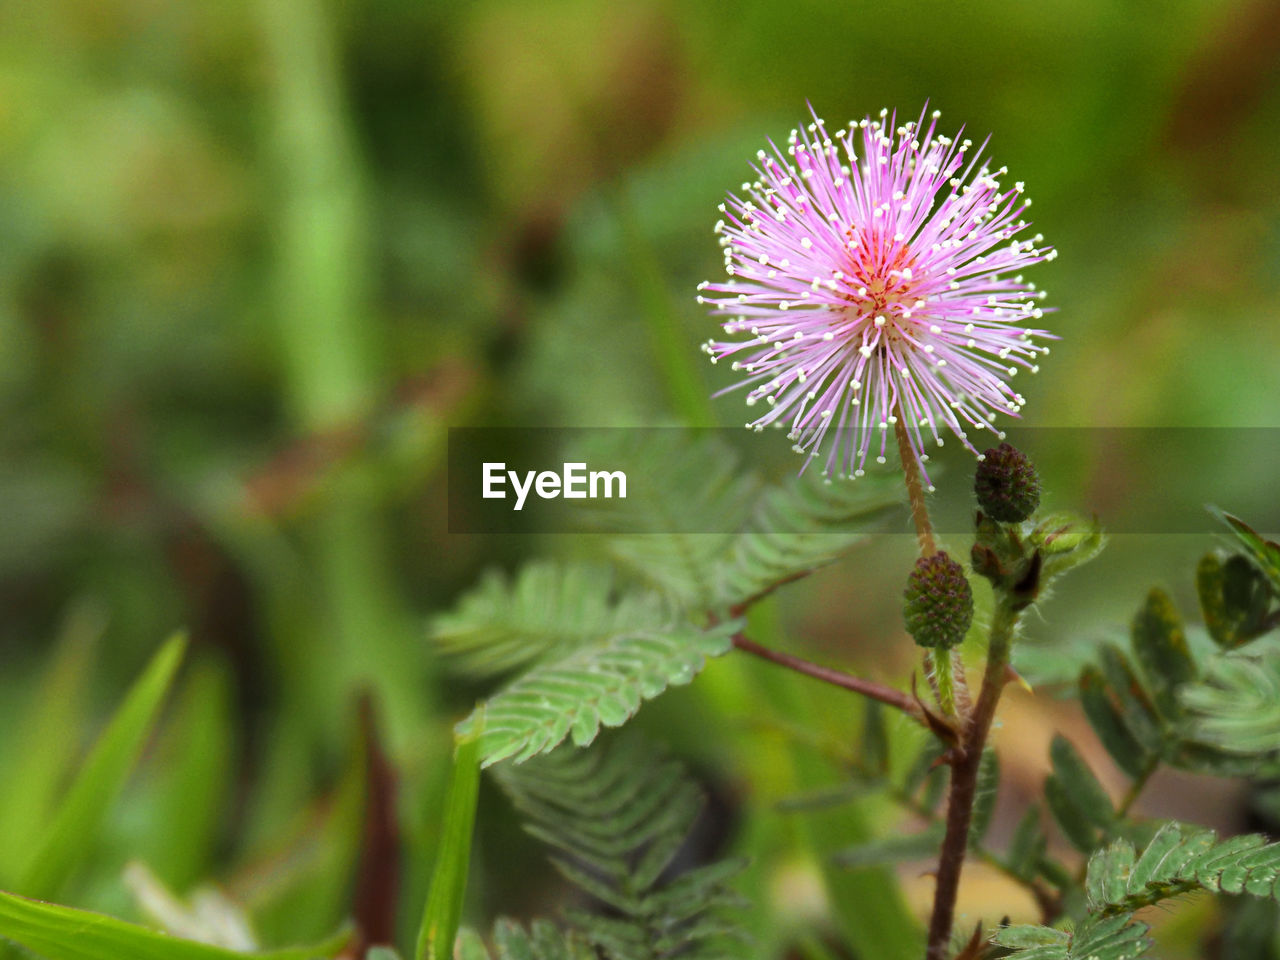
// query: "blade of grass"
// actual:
[[63, 933], [190, 778], [304, 888], [329, 348], [46, 750], [449, 882], [74, 828]]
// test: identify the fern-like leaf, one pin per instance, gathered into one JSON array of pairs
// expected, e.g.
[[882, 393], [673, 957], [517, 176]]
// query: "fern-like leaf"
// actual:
[[615, 818], [1180, 859], [1236, 709], [1097, 938], [600, 684], [545, 610], [798, 527], [1120, 880], [710, 534], [511, 941], [1212, 714], [688, 492]]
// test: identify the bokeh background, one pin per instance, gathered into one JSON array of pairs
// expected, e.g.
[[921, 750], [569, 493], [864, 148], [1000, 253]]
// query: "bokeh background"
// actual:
[[256, 257]]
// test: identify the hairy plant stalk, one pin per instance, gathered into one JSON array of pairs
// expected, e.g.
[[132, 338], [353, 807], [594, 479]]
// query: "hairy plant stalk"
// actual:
[[943, 670], [964, 781], [915, 488]]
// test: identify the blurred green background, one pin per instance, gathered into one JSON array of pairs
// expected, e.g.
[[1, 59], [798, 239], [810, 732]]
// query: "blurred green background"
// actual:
[[255, 257]]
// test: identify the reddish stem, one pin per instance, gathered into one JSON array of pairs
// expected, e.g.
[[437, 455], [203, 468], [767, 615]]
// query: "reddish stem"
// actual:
[[868, 688]]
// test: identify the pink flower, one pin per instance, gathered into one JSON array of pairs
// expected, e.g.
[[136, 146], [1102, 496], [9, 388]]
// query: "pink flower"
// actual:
[[875, 285]]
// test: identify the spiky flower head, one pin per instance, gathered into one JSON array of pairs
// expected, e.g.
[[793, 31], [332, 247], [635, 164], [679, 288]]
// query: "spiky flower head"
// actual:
[[874, 276], [1006, 484], [938, 606]]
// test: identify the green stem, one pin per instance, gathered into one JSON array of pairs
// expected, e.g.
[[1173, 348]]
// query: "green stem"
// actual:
[[942, 670]]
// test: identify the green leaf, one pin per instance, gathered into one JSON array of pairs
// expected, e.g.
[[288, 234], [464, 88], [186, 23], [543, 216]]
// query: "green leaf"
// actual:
[[1137, 709], [1079, 785], [1109, 872], [1247, 594], [1064, 542], [1234, 598], [1213, 607], [892, 849], [46, 750], [615, 816], [1076, 827], [1028, 845], [1265, 553], [443, 909], [1236, 707], [62, 933], [1023, 936], [1153, 866], [1109, 724], [75, 826], [191, 778], [602, 684], [1160, 644], [875, 739]]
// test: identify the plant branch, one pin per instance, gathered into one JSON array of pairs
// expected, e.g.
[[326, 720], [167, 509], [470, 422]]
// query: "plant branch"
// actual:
[[964, 781], [915, 488], [868, 688]]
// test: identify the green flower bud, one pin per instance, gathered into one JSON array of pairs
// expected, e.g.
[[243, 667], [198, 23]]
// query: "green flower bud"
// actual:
[[1006, 484], [939, 602]]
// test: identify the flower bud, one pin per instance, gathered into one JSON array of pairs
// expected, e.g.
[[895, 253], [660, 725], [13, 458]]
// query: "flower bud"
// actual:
[[939, 602], [1006, 484]]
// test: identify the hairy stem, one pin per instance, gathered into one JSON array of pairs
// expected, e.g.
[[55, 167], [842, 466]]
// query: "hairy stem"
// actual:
[[964, 781], [915, 488], [868, 688], [946, 680]]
